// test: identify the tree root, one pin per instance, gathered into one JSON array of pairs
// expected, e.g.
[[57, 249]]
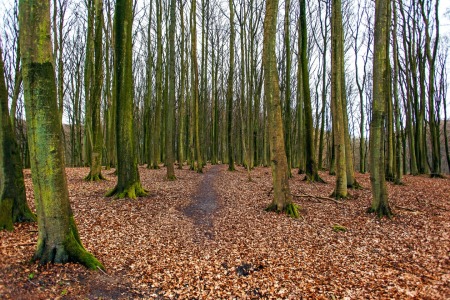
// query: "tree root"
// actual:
[[337, 196], [436, 175], [381, 211], [355, 186], [171, 178], [133, 191], [291, 209], [314, 178], [95, 177], [71, 250], [12, 212], [153, 167]]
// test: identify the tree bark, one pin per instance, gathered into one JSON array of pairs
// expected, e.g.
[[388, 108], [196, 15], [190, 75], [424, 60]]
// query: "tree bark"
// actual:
[[13, 200], [282, 198], [337, 94], [128, 181], [380, 204], [58, 239], [95, 127]]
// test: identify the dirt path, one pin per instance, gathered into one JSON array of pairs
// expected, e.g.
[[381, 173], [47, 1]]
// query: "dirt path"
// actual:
[[204, 204]]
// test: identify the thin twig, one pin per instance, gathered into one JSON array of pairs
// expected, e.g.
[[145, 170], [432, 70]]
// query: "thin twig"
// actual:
[[318, 198], [18, 245], [102, 270]]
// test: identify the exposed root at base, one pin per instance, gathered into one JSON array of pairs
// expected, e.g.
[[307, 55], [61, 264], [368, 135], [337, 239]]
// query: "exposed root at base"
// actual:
[[337, 196], [132, 192], [314, 178], [290, 209], [71, 250], [96, 177], [381, 211]]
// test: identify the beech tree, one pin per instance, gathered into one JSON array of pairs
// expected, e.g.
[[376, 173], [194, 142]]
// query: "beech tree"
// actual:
[[128, 181], [58, 238], [282, 198], [13, 201], [312, 173], [381, 95], [93, 123], [337, 98], [230, 147]]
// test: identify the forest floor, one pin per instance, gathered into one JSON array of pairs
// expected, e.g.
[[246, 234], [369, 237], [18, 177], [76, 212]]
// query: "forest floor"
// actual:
[[207, 236]]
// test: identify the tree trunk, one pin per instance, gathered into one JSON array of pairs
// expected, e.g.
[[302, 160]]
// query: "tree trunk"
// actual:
[[282, 198], [182, 99], [13, 200], [95, 127], [311, 165], [287, 95], [58, 239], [398, 172], [337, 107], [380, 203], [128, 181], [170, 113], [230, 91]]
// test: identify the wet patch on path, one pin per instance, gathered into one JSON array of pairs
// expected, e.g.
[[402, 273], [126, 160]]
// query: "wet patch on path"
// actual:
[[204, 204]]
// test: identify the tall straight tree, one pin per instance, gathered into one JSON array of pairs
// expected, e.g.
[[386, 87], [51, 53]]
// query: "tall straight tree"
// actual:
[[13, 200], [381, 95], [282, 198], [230, 91], [58, 238], [182, 99], [337, 94], [158, 104], [94, 127], [311, 166], [431, 49], [170, 113], [128, 181], [287, 91], [194, 86]]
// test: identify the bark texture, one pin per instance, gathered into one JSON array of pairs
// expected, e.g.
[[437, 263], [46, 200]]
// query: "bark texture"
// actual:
[[128, 181], [282, 198], [58, 239], [13, 202], [380, 204]]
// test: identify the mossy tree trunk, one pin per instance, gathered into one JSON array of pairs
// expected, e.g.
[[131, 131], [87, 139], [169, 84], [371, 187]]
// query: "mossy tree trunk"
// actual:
[[300, 110], [311, 165], [282, 198], [381, 94], [170, 113], [95, 126], [398, 171], [13, 200], [182, 98], [159, 89], [58, 239], [148, 93], [195, 82], [128, 181], [230, 90], [337, 94]]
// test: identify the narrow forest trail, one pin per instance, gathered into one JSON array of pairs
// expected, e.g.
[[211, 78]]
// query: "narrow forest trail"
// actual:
[[204, 203]]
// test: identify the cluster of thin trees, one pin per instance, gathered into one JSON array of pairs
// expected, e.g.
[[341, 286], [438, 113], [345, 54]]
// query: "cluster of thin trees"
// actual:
[[290, 86]]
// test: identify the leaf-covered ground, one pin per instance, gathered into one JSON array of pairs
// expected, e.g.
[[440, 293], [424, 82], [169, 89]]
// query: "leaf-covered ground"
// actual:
[[176, 244]]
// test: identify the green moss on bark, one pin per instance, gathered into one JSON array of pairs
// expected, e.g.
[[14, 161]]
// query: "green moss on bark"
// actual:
[[6, 221], [132, 192], [94, 177], [291, 209]]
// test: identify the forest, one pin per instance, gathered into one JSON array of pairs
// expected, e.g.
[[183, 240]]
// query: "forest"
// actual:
[[224, 149]]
